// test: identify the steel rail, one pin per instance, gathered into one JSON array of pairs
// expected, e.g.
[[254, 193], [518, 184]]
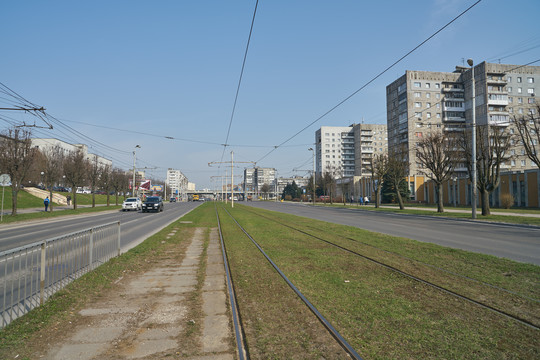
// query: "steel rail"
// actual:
[[342, 342], [240, 345], [426, 282]]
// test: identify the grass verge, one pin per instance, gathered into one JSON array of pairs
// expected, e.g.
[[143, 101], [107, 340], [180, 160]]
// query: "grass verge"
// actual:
[[381, 313]]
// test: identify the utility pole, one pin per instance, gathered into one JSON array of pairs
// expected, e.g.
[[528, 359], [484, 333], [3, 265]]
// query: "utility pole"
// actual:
[[134, 159], [232, 175]]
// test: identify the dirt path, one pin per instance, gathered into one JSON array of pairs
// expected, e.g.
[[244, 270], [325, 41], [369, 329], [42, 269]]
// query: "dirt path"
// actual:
[[170, 311]]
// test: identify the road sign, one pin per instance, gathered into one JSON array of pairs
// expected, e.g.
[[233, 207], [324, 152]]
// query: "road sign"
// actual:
[[5, 180]]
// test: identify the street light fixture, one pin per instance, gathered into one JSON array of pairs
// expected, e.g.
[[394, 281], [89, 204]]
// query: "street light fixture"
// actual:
[[134, 157], [473, 135], [313, 151]]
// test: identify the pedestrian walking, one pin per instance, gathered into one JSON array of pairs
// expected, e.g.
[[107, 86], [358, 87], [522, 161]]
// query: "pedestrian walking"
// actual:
[[361, 200], [68, 199], [46, 203], [366, 200]]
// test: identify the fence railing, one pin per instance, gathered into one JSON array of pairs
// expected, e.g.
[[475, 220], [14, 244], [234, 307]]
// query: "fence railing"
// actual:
[[30, 274]]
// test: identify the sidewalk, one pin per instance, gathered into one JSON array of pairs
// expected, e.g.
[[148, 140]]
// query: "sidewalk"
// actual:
[[151, 316]]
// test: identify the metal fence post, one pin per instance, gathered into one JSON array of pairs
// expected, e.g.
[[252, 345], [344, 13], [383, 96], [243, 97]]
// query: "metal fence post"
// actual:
[[119, 238], [42, 276], [91, 249]]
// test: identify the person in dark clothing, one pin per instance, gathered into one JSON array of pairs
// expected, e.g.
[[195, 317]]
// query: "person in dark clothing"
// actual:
[[68, 199], [46, 203]]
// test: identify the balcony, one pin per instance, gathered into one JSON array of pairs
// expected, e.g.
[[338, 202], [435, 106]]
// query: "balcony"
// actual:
[[496, 81], [454, 118], [453, 108], [452, 89]]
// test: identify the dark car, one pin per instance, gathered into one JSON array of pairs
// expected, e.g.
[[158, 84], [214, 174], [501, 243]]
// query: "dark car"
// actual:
[[173, 199], [152, 203]]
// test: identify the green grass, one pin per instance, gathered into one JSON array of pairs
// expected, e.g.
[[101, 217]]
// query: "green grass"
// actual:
[[381, 313]]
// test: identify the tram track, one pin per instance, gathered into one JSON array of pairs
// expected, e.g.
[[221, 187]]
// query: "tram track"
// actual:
[[237, 323], [426, 282]]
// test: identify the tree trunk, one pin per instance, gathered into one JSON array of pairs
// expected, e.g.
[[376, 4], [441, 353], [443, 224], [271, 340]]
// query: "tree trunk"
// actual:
[[14, 192], [440, 206], [378, 197], [74, 197], [400, 199], [93, 198], [485, 203], [51, 197], [108, 198]]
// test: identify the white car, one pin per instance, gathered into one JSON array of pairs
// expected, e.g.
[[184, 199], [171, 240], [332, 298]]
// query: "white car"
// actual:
[[132, 203]]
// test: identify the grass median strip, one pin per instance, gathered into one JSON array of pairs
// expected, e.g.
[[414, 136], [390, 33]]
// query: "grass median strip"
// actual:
[[384, 315]]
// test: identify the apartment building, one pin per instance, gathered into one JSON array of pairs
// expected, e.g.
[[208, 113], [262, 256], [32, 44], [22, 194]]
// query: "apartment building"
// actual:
[[177, 182], [46, 144], [422, 101], [256, 177], [346, 151]]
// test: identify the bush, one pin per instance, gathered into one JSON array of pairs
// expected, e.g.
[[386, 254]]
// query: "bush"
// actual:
[[507, 200], [288, 197]]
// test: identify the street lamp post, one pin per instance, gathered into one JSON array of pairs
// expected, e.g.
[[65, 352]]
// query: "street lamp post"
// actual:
[[134, 158], [473, 135], [313, 198]]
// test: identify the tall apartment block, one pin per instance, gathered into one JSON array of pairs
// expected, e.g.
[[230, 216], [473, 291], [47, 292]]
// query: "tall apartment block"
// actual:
[[345, 151], [421, 101], [255, 178], [178, 183]]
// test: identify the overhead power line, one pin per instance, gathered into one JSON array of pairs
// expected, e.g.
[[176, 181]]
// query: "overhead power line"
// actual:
[[240, 80], [370, 81]]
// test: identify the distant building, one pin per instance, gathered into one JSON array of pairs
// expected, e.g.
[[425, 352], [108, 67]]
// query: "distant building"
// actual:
[[177, 182], [46, 144], [255, 178], [346, 151]]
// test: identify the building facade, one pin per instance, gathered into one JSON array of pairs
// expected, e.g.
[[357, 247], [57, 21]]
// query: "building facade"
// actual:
[[423, 101], [256, 177], [48, 144], [177, 182]]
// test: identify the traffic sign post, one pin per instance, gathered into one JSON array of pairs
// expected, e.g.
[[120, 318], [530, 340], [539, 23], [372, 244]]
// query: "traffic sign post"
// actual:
[[5, 180]]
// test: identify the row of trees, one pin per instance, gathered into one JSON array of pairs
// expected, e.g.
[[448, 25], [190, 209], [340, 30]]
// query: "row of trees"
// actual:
[[25, 163], [439, 154]]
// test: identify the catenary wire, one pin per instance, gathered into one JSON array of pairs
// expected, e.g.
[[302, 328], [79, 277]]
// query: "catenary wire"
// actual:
[[370, 81]]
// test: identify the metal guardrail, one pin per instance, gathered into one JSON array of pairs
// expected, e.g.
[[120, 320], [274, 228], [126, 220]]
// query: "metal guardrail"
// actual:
[[30, 274]]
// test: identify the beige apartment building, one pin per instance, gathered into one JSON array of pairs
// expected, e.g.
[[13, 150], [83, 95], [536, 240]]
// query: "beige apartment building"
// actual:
[[421, 101]]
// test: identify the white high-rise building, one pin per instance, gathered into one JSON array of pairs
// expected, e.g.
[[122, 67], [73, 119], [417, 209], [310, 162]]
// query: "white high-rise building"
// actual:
[[177, 182]]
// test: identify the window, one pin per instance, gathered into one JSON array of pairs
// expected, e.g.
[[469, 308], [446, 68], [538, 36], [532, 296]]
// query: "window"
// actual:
[[417, 104], [437, 96], [417, 85], [519, 79], [428, 95], [523, 163], [428, 105], [509, 78], [417, 94], [428, 85], [509, 89], [530, 91], [530, 80], [437, 85], [520, 111], [438, 105], [530, 100], [520, 100], [520, 90], [513, 162], [428, 115], [418, 134], [438, 115], [512, 152]]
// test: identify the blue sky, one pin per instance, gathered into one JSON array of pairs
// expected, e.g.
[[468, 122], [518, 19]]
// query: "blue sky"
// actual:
[[171, 68]]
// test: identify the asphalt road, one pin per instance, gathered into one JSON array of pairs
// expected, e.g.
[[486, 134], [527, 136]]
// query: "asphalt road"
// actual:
[[135, 225], [519, 243]]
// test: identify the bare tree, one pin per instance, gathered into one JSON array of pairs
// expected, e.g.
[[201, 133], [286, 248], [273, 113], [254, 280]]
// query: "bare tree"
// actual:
[[105, 181], [75, 170], [119, 183], [438, 156], [398, 166], [492, 150], [528, 129], [16, 158], [94, 173], [378, 167], [265, 189], [52, 163]]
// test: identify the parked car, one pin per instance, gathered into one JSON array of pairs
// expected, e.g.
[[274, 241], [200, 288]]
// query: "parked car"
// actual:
[[152, 203], [173, 199], [132, 203]]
